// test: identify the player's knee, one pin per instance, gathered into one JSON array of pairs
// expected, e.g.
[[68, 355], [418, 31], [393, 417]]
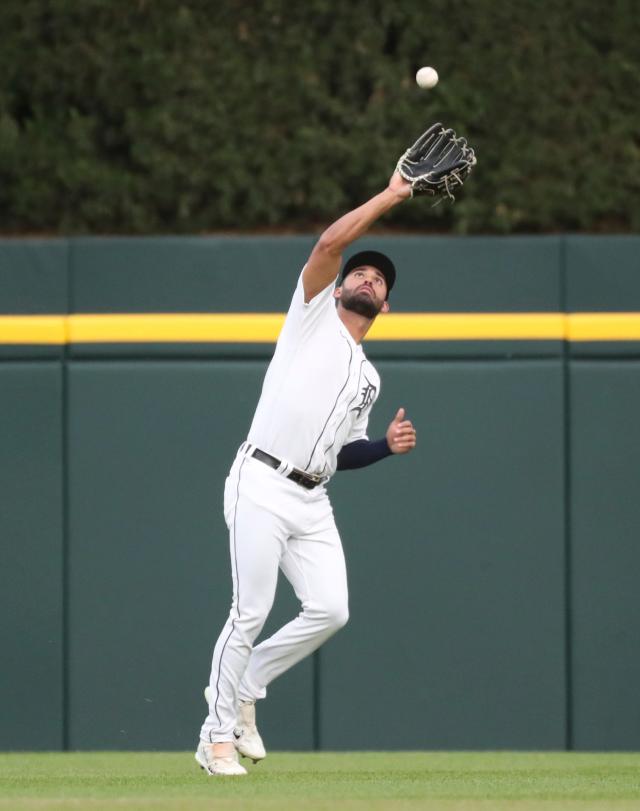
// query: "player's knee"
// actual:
[[328, 615], [337, 616]]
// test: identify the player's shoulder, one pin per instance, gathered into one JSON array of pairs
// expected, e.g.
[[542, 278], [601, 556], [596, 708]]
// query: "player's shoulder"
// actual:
[[322, 299]]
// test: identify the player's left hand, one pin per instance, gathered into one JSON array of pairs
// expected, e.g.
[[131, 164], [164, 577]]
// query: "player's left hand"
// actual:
[[401, 435]]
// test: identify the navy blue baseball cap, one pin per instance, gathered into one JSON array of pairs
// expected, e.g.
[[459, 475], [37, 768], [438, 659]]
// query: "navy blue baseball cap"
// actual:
[[374, 259]]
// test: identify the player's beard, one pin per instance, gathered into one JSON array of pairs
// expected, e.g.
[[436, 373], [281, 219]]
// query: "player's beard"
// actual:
[[361, 303]]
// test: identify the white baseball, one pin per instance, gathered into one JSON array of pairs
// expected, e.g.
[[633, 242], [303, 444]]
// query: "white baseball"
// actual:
[[427, 77]]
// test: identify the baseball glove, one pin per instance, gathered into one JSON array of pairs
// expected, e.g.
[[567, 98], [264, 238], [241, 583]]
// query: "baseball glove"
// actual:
[[437, 162]]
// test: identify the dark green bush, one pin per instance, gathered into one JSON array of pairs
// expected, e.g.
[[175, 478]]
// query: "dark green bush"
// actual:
[[148, 116]]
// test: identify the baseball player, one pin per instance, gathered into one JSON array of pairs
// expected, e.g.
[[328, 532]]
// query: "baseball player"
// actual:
[[311, 420]]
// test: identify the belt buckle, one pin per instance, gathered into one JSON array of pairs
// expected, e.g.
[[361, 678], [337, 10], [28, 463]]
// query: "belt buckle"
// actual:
[[316, 478], [306, 480]]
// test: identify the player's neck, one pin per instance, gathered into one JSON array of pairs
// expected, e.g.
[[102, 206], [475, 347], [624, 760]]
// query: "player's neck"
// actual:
[[358, 325]]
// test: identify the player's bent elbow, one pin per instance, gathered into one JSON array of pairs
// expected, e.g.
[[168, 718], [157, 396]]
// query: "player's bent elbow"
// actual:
[[328, 246]]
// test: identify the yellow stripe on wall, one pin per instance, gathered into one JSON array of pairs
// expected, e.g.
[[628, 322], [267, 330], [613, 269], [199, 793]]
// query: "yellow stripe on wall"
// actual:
[[176, 328], [604, 327], [33, 329], [265, 327], [468, 326]]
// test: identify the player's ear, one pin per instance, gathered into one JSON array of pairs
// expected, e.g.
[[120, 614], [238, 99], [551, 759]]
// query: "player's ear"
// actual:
[[385, 307], [337, 292]]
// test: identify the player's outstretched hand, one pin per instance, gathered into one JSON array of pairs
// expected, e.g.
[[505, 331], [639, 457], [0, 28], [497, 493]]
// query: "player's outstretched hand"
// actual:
[[401, 435]]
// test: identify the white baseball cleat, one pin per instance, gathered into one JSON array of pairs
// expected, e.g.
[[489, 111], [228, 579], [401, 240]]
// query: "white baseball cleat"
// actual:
[[247, 739], [217, 766]]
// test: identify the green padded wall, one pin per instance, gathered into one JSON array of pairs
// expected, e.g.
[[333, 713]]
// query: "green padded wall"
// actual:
[[114, 459], [247, 274], [182, 274], [149, 448], [32, 556], [603, 273], [34, 276], [605, 522], [34, 280], [456, 563]]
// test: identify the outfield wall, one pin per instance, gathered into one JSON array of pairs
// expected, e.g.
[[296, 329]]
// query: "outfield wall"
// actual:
[[493, 572]]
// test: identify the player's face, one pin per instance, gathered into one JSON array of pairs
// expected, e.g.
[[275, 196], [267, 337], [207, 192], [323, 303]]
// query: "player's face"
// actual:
[[364, 291]]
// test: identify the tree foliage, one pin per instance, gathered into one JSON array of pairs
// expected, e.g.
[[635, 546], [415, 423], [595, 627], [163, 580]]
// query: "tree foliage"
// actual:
[[148, 116]]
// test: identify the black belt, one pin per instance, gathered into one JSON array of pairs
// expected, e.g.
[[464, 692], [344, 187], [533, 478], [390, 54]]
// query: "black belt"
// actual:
[[307, 480]]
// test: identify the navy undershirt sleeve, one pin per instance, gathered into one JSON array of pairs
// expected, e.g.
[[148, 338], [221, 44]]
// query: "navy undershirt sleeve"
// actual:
[[362, 452]]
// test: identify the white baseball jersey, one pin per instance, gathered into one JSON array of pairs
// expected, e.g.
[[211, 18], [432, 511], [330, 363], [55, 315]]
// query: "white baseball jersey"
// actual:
[[318, 390]]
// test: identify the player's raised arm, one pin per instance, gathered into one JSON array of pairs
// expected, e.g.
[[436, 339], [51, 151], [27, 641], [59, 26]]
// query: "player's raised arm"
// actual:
[[437, 163], [325, 260]]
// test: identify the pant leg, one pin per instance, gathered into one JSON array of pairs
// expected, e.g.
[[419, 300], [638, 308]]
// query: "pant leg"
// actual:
[[314, 565], [257, 538]]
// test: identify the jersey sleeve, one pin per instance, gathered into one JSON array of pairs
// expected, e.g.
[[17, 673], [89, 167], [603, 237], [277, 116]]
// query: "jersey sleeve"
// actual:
[[302, 320], [307, 314]]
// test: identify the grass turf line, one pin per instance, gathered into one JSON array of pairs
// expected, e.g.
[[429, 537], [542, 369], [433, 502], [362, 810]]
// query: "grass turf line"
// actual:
[[323, 781]]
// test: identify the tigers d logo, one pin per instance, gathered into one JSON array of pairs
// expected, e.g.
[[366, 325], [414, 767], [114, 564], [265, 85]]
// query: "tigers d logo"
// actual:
[[367, 395]]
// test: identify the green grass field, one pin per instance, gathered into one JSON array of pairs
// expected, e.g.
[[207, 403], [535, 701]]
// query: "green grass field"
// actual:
[[161, 781]]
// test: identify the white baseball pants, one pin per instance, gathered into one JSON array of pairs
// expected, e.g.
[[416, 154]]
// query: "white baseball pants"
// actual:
[[273, 523]]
